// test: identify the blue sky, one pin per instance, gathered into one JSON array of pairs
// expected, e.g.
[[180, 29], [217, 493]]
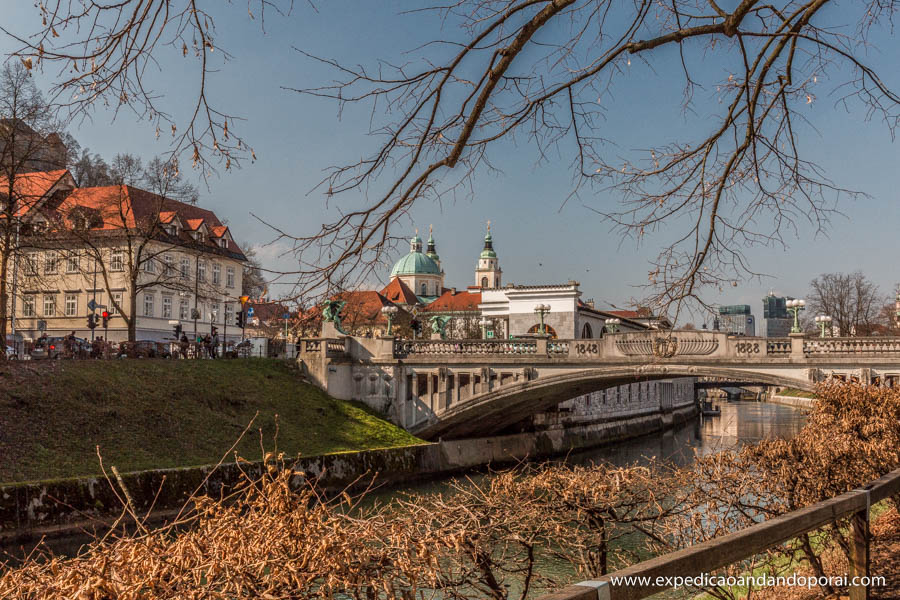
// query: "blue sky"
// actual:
[[538, 239]]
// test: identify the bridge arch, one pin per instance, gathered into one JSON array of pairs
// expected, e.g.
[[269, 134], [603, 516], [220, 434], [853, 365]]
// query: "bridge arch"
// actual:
[[495, 410]]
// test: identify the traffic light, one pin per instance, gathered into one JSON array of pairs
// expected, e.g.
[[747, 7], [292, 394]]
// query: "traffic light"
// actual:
[[105, 316], [416, 326], [92, 321], [240, 319], [178, 331]]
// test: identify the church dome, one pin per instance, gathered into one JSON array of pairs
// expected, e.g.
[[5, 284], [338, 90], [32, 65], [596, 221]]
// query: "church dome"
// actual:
[[415, 263], [488, 251]]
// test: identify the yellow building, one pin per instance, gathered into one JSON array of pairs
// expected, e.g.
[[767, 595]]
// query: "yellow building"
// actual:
[[150, 262]]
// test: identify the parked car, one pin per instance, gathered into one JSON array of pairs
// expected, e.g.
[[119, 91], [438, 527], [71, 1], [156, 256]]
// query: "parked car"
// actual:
[[50, 347], [11, 353]]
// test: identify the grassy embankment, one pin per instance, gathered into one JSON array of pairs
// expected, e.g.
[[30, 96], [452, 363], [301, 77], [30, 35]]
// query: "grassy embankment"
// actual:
[[795, 393], [146, 414]]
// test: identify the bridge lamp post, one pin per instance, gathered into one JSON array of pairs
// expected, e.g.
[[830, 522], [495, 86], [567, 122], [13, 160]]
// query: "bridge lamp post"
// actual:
[[795, 306], [823, 321], [485, 323], [612, 325], [390, 312], [542, 309]]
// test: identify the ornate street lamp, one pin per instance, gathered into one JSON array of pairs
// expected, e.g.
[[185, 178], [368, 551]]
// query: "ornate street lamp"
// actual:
[[823, 321], [389, 311], [542, 309], [795, 306], [485, 323], [612, 325]]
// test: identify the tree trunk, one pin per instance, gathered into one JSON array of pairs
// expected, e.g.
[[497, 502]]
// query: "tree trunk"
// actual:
[[131, 320], [4, 288]]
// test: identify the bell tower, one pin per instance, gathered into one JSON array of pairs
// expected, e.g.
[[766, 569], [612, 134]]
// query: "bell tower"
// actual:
[[487, 271]]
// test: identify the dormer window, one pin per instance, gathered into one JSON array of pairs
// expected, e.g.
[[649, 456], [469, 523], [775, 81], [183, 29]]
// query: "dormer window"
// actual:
[[223, 242]]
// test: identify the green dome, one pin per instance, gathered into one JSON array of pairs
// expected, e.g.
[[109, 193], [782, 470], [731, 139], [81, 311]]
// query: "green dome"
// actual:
[[415, 263], [488, 251]]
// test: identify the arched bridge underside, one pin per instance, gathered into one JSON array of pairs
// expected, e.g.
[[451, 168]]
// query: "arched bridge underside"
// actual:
[[459, 388], [508, 404]]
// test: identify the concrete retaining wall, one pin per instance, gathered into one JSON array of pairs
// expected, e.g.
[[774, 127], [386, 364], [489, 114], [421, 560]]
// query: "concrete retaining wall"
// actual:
[[59, 507], [794, 401]]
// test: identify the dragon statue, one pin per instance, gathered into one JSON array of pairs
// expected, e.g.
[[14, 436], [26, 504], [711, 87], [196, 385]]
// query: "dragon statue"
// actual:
[[439, 325], [331, 313]]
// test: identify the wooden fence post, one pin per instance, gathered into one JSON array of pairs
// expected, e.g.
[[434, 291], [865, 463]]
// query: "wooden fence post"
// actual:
[[860, 536]]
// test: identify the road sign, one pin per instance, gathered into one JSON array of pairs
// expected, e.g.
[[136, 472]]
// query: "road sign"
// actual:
[[250, 311], [92, 305], [286, 316], [244, 299], [415, 311]]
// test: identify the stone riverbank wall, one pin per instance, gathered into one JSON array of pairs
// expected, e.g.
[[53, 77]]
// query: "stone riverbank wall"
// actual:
[[28, 510], [795, 401]]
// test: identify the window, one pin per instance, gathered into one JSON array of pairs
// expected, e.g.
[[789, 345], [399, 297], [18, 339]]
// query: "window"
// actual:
[[216, 274], [150, 265], [117, 297], [167, 307], [185, 267], [484, 282], [423, 290], [223, 242], [201, 270], [229, 277], [229, 312], [183, 310], [49, 305], [148, 304], [215, 314], [170, 262], [31, 263], [117, 261], [28, 306], [71, 305], [73, 263], [51, 263]]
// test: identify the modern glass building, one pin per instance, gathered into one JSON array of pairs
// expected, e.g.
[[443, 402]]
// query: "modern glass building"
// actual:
[[736, 319], [778, 321]]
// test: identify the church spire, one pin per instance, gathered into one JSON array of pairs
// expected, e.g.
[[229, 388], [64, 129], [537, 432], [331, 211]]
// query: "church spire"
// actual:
[[488, 272], [431, 252]]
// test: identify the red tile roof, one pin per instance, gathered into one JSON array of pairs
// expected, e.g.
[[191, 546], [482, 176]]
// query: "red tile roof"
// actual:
[[193, 224], [30, 188], [270, 311], [132, 207], [363, 308], [399, 292], [449, 301]]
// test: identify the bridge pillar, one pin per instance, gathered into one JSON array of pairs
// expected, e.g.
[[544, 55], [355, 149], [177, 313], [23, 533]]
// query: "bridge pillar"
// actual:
[[415, 398], [430, 392], [797, 345], [472, 391]]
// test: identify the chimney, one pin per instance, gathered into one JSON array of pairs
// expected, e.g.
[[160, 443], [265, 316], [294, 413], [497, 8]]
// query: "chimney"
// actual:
[[453, 291]]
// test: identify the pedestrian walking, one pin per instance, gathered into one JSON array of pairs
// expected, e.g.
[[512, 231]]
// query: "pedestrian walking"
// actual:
[[215, 345]]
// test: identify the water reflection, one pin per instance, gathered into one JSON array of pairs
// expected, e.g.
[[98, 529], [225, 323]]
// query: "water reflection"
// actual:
[[740, 423]]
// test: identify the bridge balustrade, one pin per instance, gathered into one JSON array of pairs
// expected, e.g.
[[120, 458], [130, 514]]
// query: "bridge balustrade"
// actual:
[[845, 346], [474, 347]]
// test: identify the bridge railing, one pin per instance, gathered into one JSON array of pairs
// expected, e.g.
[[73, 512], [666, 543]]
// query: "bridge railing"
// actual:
[[464, 347], [851, 346], [661, 572]]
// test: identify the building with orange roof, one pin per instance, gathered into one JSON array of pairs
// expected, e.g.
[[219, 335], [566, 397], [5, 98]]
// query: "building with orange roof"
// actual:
[[149, 261]]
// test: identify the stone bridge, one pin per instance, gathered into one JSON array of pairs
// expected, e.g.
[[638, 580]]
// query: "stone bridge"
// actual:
[[459, 388]]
